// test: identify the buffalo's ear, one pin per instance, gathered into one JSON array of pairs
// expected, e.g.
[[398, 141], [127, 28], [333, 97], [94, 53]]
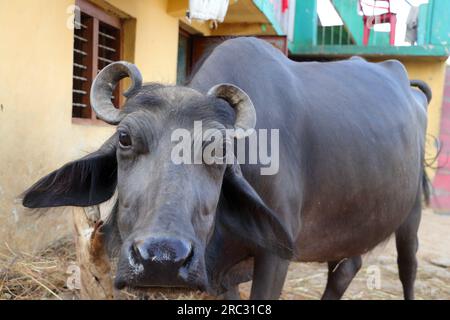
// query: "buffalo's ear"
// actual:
[[85, 182], [248, 217]]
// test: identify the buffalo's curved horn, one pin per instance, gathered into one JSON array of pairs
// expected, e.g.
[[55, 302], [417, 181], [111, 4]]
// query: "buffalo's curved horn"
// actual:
[[104, 85], [242, 104]]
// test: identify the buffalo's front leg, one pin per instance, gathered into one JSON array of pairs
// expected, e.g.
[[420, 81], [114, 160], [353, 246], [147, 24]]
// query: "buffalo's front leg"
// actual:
[[268, 276], [231, 294], [340, 275]]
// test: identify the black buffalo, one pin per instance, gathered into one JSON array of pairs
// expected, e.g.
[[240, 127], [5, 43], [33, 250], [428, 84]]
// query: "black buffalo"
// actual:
[[351, 154]]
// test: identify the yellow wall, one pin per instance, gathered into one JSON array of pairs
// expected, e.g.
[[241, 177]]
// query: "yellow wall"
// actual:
[[36, 130], [433, 73]]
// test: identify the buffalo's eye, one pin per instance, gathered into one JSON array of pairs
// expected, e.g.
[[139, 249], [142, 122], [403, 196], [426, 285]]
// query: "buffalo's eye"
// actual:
[[124, 139]]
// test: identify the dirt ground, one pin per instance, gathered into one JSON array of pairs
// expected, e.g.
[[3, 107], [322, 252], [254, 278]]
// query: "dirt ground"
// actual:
[[44, 276]]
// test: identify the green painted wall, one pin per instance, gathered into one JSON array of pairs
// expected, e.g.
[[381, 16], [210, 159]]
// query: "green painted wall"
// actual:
[[438, 24], [267, 9], [423, 25], [305, 30]]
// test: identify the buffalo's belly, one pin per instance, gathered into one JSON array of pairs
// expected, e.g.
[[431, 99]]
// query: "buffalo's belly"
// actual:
[[332, 236], [360, 183]]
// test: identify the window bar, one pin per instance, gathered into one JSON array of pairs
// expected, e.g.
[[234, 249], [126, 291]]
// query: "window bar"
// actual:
[[79, 91], [80, 105], [78, 24], [332, 35], [80, 38], [323, 35], [107, 48], [105, 60], [106, 35], [80, 52], [80, 66], [80, 78]]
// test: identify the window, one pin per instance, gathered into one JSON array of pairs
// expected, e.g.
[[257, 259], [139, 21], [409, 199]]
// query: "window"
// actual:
[[97, 43], [184, 57]]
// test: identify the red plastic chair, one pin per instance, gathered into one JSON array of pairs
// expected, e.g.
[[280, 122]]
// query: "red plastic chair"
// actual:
[[371, 20]]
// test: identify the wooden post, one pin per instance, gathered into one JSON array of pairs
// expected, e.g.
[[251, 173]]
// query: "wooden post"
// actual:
[[94, 264]]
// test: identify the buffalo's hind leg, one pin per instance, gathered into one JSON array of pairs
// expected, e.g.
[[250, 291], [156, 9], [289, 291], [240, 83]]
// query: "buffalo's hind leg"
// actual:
[[268, 276], [340, 275], [407, 245]]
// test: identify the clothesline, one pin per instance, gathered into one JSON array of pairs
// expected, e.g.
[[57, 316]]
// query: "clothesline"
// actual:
[[374, 6]]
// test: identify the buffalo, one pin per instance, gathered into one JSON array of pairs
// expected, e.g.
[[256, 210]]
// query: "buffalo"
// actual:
[[350, 171]]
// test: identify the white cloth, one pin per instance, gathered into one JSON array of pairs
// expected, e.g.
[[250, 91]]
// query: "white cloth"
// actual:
[[208, 9], [411, 25]]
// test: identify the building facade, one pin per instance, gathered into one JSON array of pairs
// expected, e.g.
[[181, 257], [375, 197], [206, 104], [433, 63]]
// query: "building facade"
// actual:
[[47, 63], [50, 51]]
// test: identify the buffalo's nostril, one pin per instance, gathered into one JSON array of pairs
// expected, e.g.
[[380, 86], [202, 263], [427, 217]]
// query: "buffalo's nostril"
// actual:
[[120, 283], [135, 252], [182, 251], [188, 259], [173, 252], [183, 271]]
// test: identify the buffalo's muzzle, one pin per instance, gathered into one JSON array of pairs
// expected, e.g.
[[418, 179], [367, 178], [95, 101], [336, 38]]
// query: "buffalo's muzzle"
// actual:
[[170, 254], [158, 262]]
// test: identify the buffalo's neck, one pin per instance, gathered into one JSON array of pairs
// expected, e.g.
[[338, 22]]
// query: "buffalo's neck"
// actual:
[[226, 258]]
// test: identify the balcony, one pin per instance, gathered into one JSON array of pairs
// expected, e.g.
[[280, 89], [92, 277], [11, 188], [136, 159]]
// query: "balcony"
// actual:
[[344, 37]]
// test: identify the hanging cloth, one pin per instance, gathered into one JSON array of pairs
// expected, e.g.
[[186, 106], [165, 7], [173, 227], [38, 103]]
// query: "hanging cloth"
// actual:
[[208, 9], [411, 25]]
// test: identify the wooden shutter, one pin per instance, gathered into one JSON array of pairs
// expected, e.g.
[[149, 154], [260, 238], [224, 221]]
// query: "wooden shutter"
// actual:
[[97, 43]]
